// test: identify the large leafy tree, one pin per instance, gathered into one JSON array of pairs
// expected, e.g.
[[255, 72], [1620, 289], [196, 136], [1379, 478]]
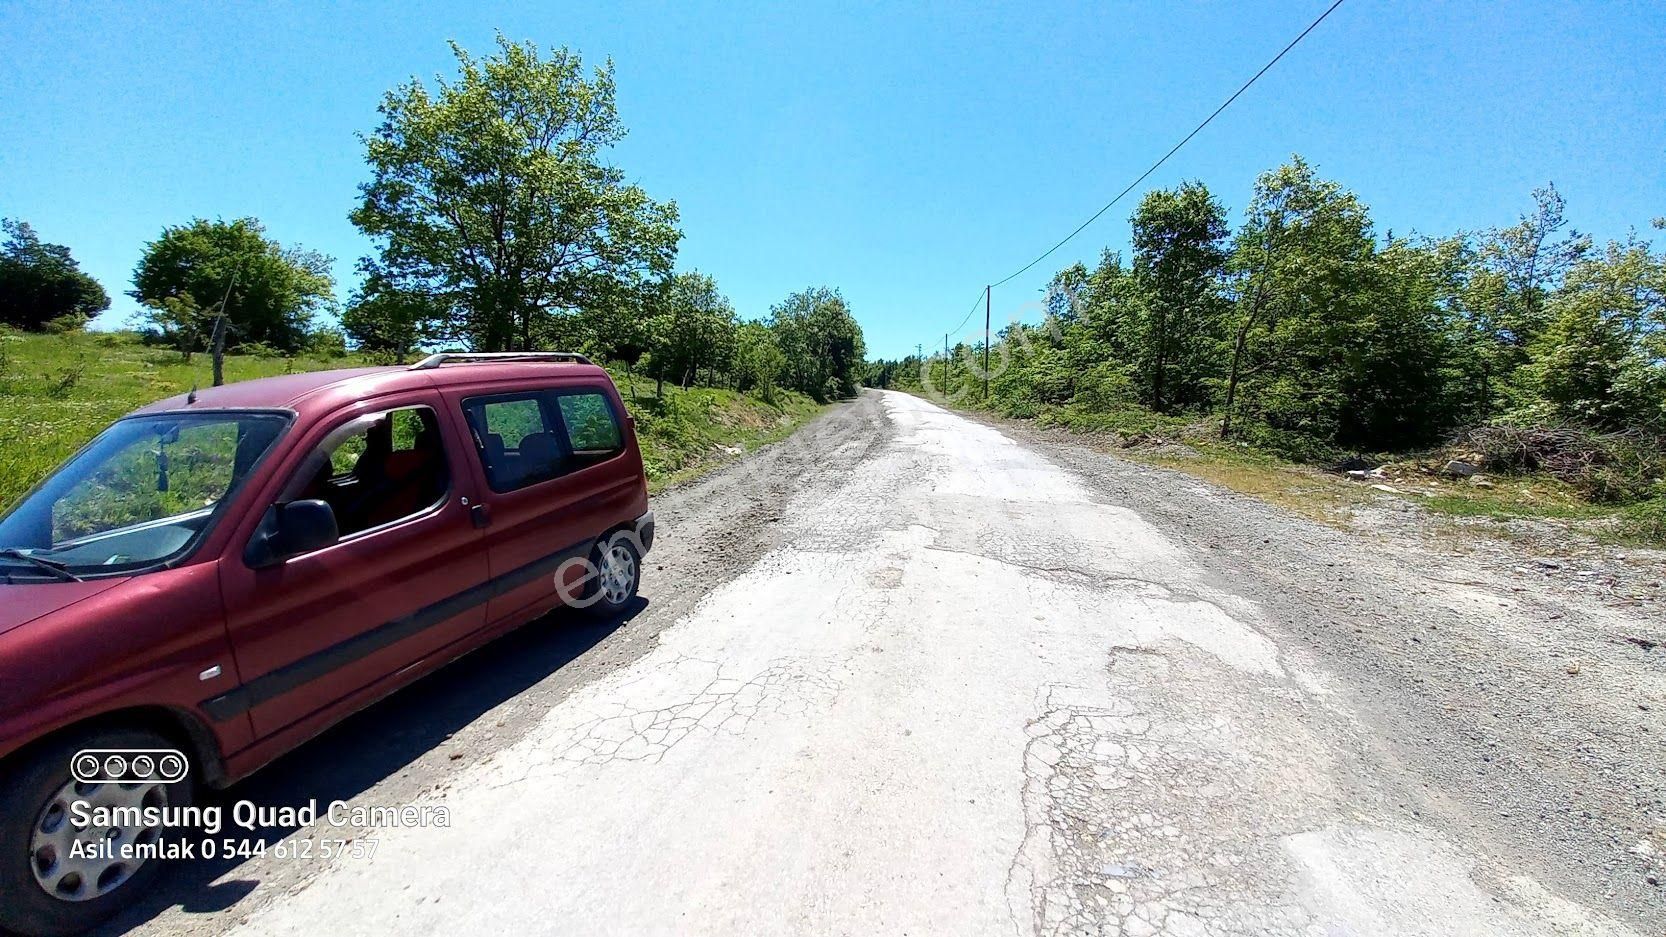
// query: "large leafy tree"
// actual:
[[269, 293], [692, 327], [1301, 266], [821, 341], [1602, 358], [758, 361], [1513, 274], [489, 193], [1179, 240], [41, 283], [1399, 374]]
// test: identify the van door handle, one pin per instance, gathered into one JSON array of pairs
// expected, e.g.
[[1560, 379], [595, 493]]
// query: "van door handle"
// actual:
[[480, 515]]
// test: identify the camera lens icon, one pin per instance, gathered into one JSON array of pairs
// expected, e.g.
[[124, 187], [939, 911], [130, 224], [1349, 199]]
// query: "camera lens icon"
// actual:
[[86, 766], [115, 766], [172, 766], [144, 767]]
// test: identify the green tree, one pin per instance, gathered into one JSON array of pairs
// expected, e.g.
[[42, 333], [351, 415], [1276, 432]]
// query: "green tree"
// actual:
[[489, 194], [1179, 240], [184, 276], [1300, 268], [1602, 360], [41, 283], [758, 360], [386, 321], [1399, 370], [822, 343], [690, 329], [1514, 272]]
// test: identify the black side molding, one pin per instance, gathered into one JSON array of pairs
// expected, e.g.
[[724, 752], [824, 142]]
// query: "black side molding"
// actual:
[[301, 672]]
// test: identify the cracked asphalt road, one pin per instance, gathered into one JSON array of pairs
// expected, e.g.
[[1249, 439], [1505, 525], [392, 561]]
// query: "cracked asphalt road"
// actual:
[[907, 674]]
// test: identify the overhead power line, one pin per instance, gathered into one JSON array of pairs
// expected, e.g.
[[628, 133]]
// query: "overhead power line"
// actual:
[[1172, 150], [969, 313]]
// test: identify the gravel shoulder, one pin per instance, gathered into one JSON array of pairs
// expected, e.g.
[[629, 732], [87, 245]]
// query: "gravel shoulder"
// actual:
[[1522, 694]]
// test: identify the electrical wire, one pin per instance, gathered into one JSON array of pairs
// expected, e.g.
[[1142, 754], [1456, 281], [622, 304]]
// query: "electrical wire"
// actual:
[[1173, 150], [969, 313]]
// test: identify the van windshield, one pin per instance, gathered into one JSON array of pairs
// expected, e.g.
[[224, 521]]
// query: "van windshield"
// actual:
[[141, 493]]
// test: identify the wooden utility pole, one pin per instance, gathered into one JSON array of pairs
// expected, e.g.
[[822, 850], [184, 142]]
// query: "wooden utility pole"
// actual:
[[985, 344], [948, 363], [217, 341]]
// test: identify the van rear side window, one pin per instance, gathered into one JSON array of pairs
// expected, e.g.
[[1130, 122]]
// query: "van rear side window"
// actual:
[[531, 437], [518, 437]]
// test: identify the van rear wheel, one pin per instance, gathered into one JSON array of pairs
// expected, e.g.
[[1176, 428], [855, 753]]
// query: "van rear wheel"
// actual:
[[54, 873], [618, 574]]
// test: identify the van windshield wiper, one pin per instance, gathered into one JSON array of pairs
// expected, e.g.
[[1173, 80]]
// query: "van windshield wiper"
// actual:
[[54, 567]]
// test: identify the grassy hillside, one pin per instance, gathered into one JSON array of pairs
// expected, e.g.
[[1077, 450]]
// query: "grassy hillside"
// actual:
[[58, 391]]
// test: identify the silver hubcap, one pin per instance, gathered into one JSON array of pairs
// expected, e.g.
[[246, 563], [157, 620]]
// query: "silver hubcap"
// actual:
[[618, 572], [52, 846]]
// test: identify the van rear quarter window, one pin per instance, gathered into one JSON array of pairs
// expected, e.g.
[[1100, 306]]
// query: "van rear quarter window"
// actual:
[[531, 437], [592, 428], [517, 437]]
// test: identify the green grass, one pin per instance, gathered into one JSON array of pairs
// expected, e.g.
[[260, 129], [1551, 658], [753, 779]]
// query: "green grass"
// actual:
[[690, 431], [58, 391], [1515, 498]]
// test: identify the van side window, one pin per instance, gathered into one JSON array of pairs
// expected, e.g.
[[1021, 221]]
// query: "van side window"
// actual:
[[592, 429], [518, 439], [389, 467]]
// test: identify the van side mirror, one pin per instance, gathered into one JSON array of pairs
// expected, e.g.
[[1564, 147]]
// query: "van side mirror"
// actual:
[[290, 529]]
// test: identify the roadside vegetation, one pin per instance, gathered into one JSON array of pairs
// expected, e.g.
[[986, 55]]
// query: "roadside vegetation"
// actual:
[[58, 391], [1510, 372]]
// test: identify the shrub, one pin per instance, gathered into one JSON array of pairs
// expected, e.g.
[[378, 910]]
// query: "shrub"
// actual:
[[65, 324], [1607, 467], [259, 350], [1024, 408], [1291, 444], [327, 343], [59, 385], [1105, 386]]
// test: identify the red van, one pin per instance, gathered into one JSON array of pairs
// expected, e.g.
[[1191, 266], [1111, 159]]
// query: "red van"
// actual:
[[222, 575]]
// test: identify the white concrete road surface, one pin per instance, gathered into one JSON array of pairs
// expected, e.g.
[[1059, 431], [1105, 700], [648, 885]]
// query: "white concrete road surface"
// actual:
[[961, 694]]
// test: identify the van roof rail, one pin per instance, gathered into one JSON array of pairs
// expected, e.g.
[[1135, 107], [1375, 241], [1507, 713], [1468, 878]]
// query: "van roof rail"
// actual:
[[484, 357]]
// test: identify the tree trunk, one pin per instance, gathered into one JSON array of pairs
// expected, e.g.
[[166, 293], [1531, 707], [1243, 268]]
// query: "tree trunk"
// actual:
[[1157, 378], [218, 345], [1257, 306], [1232, 377]]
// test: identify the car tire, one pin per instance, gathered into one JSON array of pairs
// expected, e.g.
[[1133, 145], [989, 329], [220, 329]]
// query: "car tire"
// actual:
[[32, 791], [618, 564]]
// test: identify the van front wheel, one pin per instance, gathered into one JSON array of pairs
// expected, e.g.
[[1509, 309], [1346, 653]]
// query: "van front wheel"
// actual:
[[61, 877]]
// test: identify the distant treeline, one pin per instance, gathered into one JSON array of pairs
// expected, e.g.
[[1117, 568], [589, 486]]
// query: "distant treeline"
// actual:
[[1305, 332]]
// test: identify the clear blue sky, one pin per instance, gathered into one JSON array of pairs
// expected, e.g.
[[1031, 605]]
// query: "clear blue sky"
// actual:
[[906, 155]]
